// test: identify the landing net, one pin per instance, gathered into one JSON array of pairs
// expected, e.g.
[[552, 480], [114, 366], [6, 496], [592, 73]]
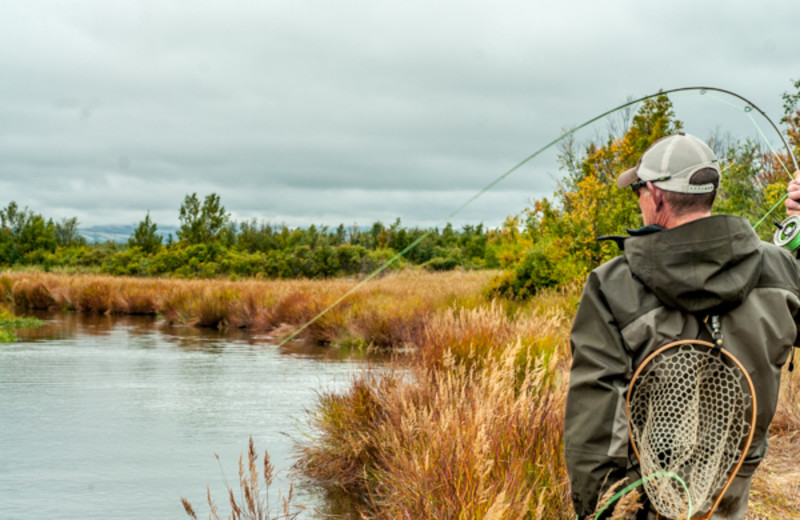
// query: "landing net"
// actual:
[[691, 412]]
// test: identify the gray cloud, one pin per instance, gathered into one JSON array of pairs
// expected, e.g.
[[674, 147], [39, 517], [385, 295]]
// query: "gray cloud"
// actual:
[[310, 112]]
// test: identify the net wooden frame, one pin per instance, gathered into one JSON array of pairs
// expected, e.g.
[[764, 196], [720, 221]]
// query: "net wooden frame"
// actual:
[[656, 487]]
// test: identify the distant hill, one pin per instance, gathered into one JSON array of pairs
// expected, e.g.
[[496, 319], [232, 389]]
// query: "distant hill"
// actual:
[[118, 233]]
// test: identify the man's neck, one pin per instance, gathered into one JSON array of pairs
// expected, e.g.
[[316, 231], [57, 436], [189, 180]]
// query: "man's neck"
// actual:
[[672, 221]]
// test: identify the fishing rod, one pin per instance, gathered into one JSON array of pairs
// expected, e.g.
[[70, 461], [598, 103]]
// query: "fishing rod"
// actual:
[[748, 108]]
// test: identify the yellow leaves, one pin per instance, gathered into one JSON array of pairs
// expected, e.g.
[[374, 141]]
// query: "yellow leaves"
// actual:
[[559, 241], [774, 193], [509, 243]]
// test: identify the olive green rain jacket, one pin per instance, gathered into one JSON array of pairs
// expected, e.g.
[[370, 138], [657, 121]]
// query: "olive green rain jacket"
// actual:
[[660, 290]]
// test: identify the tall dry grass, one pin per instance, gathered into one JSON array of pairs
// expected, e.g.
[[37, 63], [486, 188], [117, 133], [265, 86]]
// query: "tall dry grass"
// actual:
[[471, 427], [776, 482], [387, 312], [468, 426], [474, 443], [253, 502], [472, 334]]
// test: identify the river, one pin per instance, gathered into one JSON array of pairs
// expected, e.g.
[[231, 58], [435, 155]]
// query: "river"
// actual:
[[118, 418]]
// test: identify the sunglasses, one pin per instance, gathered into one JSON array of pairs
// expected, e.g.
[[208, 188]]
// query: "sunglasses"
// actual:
[[641, 184]]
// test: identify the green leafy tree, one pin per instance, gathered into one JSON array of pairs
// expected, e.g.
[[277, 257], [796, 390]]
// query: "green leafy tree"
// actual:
[[24, 235], [339, 236], [145, 236], [254, 236], [37, 237], [68, 234], [202, 223]]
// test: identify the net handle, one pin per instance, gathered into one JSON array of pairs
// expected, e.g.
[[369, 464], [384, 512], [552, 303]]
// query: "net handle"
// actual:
[[754, 407]]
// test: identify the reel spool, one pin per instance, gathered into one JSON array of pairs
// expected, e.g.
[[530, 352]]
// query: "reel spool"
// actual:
[[788, 233]]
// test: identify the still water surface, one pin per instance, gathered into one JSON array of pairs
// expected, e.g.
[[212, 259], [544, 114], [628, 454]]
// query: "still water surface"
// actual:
[[117, 418]]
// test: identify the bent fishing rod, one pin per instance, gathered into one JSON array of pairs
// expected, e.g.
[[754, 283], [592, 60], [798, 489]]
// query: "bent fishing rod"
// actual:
[[791, 235]]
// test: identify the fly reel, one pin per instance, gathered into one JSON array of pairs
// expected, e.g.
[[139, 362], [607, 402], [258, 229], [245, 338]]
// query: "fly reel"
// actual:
[[788, 233]]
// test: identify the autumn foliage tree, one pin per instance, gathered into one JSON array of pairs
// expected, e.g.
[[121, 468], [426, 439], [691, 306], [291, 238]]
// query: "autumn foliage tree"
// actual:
[[562, 233], [754, 176], [555, 241]]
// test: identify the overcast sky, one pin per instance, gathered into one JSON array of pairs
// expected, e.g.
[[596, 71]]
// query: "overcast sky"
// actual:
[[350, 111]]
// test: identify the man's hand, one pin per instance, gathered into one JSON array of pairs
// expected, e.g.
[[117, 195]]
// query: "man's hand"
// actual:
[[792, 201]]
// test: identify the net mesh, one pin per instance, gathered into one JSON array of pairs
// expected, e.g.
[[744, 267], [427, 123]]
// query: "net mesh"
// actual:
[[688, 413]]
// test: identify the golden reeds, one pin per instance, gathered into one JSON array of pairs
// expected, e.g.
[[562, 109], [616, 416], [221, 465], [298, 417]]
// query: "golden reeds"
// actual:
[[471, 428], [468, 442], [776, 483], [389, 311], [254, 501], [468, 426]]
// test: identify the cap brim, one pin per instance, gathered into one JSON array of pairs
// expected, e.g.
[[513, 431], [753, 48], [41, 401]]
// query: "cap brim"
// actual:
[[628, 177]]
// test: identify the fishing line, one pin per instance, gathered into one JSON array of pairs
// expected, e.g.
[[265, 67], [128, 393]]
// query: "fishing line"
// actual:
[[769, 145], [749, 111], [388, 263], [773, 208]]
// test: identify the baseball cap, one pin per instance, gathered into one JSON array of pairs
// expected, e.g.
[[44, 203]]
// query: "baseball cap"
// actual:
[[671, 161]]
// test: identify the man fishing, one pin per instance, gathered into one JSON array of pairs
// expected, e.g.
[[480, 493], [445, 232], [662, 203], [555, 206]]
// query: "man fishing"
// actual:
[[682, 267]]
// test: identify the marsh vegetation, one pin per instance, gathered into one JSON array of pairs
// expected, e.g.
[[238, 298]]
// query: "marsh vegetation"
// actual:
[[467, 421]]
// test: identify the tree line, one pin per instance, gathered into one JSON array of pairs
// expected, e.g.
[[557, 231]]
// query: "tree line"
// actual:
[[209, 243], [551, 243]]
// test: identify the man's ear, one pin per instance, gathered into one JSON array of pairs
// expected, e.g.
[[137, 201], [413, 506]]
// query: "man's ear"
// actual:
[[657, 195]]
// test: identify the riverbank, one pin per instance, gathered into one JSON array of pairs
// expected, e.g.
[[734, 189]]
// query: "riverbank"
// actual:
[[470, 428], [9, 322], [469, 423], [386, 312]]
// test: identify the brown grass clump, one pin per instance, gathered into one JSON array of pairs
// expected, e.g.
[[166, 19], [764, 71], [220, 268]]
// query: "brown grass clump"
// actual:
[[474, 333], [384, 320], [139, 299], [247, 310], [342, 452], [253, 502], [33, 295], [393, 311], [388, 312], [457, 443], [471, 428], [214, 307], [294, 307], [95, 297], [474, 443], [776, 484]]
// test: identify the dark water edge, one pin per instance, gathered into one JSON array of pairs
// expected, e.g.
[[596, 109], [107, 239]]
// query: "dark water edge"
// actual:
[[120, 417]]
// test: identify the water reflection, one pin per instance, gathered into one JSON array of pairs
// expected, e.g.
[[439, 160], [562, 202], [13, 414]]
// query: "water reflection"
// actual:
[[118, 417], [63, 325]]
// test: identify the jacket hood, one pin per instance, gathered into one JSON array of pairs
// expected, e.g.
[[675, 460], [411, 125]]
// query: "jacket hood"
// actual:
[[710, 264]]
